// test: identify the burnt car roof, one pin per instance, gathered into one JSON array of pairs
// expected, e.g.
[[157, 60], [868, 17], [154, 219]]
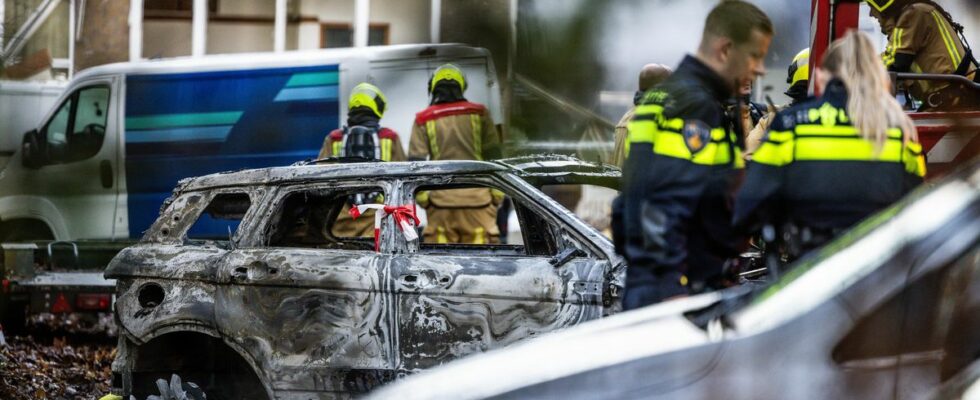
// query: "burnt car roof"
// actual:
[[540, 169], [310, 172]]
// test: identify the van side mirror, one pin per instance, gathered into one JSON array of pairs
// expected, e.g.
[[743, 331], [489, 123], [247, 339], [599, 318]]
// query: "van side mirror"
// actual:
[[31, 154]]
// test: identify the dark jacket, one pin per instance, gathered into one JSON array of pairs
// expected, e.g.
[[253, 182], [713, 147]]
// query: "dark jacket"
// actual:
[[815, 170], [674, 214]]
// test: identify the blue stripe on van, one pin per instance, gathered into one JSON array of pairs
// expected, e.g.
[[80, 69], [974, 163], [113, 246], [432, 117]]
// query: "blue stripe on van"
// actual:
[[266, 133], [308, 93], [197, 133]]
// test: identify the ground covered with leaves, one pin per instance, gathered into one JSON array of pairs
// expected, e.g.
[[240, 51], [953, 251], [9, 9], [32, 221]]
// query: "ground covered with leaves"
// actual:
[[55, 368]]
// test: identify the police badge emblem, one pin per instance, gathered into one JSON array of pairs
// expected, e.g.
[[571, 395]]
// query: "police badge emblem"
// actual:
[[697, 135]]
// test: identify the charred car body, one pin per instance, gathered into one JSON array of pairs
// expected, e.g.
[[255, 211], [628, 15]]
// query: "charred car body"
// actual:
[[284, 308]]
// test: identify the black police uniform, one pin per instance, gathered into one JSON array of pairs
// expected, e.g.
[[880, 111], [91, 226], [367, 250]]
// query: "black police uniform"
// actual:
[[815, 171], [674, 218]]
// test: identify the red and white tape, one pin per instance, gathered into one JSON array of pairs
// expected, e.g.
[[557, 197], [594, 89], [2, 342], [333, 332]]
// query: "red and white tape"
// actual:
[[405, 217]]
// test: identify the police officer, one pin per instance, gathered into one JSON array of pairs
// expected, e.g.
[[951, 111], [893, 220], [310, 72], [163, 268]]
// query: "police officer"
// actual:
[[363, 136], [673, 218], [798, 78], [651, 75], [452, 128], [923, 38], [831, 161]]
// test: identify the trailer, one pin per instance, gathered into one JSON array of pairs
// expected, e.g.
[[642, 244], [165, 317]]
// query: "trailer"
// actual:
[[56, 277]]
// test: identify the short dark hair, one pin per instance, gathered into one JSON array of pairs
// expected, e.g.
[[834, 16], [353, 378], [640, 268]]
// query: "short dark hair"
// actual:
[[736, 19]]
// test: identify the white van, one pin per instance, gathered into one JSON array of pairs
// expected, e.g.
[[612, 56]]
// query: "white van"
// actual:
[[101, 162]]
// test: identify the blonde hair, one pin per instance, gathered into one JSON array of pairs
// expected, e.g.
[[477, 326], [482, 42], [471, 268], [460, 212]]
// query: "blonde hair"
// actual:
[[871, 106]]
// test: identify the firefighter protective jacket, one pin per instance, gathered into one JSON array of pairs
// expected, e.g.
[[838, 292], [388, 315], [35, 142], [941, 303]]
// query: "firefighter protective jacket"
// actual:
[[455, 131], [931, 45], [814, 169], [682, 161]]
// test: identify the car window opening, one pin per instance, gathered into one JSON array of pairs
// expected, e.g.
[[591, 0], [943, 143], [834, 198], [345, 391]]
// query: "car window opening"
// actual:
[[321, 220], [219, 221], [480, 219]]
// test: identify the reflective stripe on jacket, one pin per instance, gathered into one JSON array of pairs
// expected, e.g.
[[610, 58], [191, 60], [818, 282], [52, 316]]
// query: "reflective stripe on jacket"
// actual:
[[391, 145], [678, 177], [814, 169]]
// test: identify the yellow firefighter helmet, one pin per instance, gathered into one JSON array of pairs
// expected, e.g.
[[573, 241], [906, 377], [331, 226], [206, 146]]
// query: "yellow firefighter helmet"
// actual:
[[447, 72], [799, 69], [367, 95]]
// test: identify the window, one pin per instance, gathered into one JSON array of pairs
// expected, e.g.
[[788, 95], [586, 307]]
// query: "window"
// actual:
[[221, 218], [321, 219], [89, 124], [56, 132], [78, 128], [342, 35], [176, 5], [480, 217]]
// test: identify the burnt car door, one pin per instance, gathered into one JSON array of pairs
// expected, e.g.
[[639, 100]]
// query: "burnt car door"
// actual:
[[306, 295], [454, 299]]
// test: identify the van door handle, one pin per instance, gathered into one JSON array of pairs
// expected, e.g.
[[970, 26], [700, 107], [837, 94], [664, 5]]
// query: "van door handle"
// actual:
[[105, 171]]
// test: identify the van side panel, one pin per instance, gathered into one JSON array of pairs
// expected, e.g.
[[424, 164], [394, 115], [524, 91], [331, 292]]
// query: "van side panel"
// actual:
[[189, 124]]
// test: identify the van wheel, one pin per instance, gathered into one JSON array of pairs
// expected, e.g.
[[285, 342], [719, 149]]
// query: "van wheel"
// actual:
[[22, 230]]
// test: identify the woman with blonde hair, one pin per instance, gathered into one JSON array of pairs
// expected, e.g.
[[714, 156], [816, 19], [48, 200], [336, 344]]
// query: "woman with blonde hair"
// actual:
[[831, 161]]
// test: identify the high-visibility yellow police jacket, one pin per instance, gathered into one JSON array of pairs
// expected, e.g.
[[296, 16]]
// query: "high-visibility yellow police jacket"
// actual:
[[814, 169], [674, 214]]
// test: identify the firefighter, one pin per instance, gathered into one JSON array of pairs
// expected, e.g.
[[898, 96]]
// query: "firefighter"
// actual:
[[364, 137], [452, 128], [798, 77], [831, 161], [651, 75], [365, 107], [923, 38], [672, 221]]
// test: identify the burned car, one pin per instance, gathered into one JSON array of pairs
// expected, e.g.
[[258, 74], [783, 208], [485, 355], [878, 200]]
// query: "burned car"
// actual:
[[279, 304]]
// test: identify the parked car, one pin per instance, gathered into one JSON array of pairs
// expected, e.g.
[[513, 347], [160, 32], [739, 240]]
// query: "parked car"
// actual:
[[889, 310], [281, 306]]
